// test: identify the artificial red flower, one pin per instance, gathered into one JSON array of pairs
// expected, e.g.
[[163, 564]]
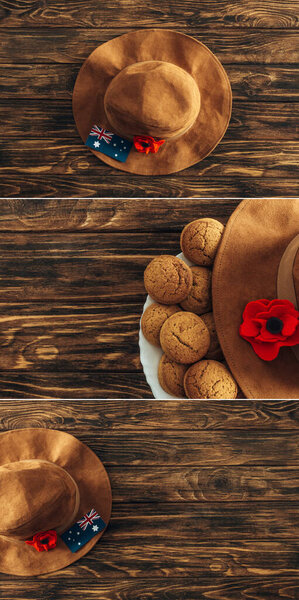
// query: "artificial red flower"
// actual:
[[146, 143], [43, 541], [268, 325]]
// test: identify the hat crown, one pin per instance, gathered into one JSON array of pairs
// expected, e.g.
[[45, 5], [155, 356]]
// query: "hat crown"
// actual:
[[153, 98], [35, 495]]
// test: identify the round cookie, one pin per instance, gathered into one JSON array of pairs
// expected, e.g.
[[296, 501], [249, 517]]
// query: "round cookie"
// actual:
[[210, 379], [153, 318], [200, 240], [171, 376], [184, 338], [199, 300], [167, 279], [214, 352]]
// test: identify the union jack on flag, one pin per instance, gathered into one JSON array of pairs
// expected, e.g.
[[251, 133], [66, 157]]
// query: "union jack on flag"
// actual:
[[88, 519], [82, 531], [102, 134], [106, 142]]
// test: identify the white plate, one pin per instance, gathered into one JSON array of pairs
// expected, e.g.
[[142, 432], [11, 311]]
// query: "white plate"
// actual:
[[150, 355]]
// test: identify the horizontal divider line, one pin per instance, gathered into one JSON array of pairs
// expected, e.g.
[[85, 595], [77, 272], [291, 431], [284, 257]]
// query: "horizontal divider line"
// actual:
[[204, 27], [199, 466], [290, 66]]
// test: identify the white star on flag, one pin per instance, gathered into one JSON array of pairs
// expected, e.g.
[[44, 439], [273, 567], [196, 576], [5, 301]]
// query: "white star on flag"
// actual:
[[95, 528], [96, 144]]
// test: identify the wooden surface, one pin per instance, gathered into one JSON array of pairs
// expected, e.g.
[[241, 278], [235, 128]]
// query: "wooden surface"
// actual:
[[71, 281], [205, 500], [43, 45]]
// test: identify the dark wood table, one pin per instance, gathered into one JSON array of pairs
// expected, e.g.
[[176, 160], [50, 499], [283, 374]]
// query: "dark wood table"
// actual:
[[205, 500], [43, 45], [71, 291]]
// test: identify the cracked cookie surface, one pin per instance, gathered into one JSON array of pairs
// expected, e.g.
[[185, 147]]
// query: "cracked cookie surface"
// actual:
[[153, 318], [171, 376], [209, 379], [185, 338], [200, 240], [167, 279], [199, 299]]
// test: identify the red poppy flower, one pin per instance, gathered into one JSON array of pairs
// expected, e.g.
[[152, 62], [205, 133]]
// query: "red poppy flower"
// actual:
[[146, 143], [268, 325], [43, 541]]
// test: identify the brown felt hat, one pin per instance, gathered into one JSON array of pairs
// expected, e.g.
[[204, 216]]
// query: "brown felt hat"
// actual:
[[158, 83], [258, 258], [48, 480]]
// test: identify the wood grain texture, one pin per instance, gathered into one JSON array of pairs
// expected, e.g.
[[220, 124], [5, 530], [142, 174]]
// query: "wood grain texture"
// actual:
[[177, 14], [89, 416], [36, 185], [263, 587], [53, 158], [205, 484], [73, 385], [63, 338], [264, 121], [111, 215], [35, 385], [43, 46], [193, 508], [79, 266], [173, 557], [67, 45]]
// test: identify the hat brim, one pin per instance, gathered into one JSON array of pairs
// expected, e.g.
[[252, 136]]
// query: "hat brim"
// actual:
[[245, 269], [83, 465], [166, 45]]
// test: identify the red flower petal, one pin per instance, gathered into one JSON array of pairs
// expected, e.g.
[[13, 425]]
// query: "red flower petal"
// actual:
[[268, 337], [290, 325], [249, 328], [254, 307], [265, 351], [293, 340], [289, 306]]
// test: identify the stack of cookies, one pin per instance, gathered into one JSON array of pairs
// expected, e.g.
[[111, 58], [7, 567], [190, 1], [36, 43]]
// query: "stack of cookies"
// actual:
[[180, 320]]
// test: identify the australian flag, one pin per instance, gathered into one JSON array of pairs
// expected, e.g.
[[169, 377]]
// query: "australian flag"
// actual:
[[81, 532], [108, 143]]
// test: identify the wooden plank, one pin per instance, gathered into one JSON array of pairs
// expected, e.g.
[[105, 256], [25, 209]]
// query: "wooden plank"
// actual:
[[70, 338], [174, 14], [191, 415], [184, 449], [230, 159], [196, 522], [176, 558], [204, 484], [127, 185], [81, 266], [113, 215], [43, 119], [177, 453], [65, 45], [56, 81], [174, 453], [19, 385], [280, 587]]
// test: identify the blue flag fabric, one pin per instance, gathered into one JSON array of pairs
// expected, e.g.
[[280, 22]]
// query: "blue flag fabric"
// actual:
[[84, 530], [108, 143]]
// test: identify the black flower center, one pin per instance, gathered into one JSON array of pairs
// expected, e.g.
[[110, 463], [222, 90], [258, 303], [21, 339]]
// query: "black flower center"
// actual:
[[274, 325]]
